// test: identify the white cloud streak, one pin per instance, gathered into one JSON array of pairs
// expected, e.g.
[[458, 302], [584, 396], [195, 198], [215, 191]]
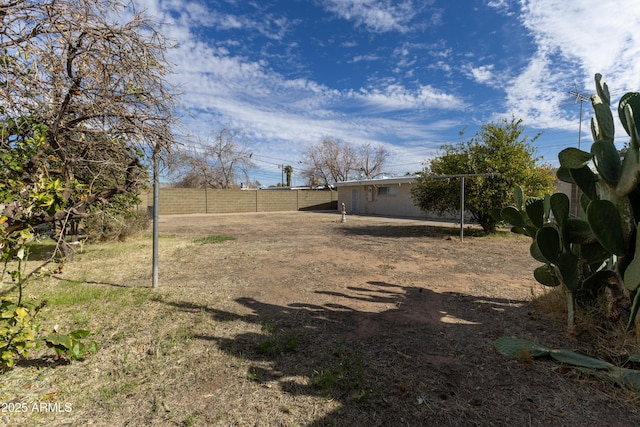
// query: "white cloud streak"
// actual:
[[571, 41], [574, 40], [284, 115], [375, 15]]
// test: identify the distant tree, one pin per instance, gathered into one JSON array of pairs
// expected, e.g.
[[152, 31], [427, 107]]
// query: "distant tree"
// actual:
[[334, 160], [499, 148], [84, 101], [288, 171], [217, 162], [372, 159], [83, 98]]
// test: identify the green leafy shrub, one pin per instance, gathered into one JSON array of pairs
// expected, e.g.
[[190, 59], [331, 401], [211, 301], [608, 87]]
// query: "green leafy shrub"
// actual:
[[71, 345], [18, 330]]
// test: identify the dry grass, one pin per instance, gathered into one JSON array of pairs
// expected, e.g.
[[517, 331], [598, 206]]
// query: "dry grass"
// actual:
[[302, 320]]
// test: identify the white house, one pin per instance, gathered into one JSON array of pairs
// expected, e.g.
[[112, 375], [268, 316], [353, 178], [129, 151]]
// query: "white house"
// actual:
[[383, 196], [392, 197]]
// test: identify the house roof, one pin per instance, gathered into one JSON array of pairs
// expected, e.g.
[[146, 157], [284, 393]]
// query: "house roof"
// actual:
[[379, 181]]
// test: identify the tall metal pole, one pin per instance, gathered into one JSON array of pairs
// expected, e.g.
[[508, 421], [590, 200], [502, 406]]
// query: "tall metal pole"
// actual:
[[580, 126], [579, 98], [156, 209], [462, 208], [575, 191], [462, 176]]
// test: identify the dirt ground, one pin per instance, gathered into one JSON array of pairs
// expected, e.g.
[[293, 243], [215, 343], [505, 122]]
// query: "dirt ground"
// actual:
[[303, 320], [382, 322]]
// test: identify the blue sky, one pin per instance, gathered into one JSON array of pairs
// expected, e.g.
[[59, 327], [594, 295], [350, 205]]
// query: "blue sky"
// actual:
[[407, 74]]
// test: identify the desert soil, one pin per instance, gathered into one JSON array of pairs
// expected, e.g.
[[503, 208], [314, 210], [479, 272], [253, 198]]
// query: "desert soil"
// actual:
[[304, 320], [404, 315]]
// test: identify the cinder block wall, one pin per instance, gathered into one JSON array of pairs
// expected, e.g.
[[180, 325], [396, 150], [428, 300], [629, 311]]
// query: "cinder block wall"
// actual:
[[177, 201]]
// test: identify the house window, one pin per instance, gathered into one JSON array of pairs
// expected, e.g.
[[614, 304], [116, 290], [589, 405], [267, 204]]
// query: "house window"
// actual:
[[387, 191]]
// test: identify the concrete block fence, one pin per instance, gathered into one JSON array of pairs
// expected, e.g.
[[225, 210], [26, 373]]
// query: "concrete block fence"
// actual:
[[176, 201]]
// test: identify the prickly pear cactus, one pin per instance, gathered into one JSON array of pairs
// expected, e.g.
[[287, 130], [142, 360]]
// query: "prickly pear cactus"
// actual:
[[515, 348], [596, 246]]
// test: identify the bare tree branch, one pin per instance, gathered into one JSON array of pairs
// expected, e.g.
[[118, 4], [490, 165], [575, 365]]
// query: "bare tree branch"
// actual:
[[334, 160], [83, 98], [217, 162]]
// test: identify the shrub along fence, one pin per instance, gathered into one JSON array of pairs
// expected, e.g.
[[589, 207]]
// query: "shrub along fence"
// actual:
[[175, 201]]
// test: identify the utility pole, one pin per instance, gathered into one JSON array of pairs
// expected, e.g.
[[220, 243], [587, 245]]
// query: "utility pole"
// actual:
[[579, 98], [575, 191]]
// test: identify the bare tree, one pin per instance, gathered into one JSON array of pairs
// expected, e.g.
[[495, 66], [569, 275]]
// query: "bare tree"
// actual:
[[83, 98], [334, 160], [372, 159], [217, 162]]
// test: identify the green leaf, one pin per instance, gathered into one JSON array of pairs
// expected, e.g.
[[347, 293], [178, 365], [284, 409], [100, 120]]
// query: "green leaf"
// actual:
[[535, 211], [93, 347], [578, 231], [632, 99], [548, 241], [515, 348], [577, 359], [605, 223], [560, 207], [586, 180], [568, 266], [534, 250], [546, 275], [584, 202], [79, 334], [573, 158], [59, 341], [513, 216], [629, 173], [594, 254], [564, 175], [496, 214], [518, 197], [632, 273], [77, 350], [602, 89], [604, 118], [607, 160], [627, 377]]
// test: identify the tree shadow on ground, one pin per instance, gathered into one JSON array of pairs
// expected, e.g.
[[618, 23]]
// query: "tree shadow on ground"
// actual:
[[411, 231], [397, 355]]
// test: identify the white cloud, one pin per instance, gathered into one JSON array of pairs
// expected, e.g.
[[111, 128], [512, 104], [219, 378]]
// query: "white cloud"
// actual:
[[369, 57], [587, 37], [283, 115], [501, 5], [396, 97], [537, 94], [482, 74], [376, 15]]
